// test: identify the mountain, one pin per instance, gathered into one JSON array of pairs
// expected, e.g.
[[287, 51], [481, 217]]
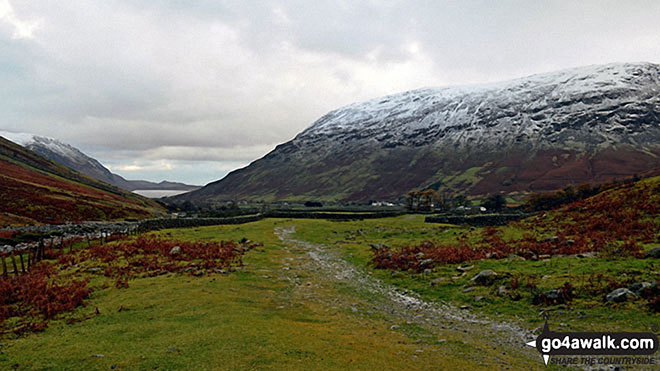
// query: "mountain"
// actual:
[[73, 158], [34, 189], [542, 132]]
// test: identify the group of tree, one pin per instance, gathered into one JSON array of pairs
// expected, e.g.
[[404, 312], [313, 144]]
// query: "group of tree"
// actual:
[[430, 200]]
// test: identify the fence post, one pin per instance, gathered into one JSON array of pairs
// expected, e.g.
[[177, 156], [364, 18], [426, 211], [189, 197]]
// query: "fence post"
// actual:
[[22, 265], [13, 263]]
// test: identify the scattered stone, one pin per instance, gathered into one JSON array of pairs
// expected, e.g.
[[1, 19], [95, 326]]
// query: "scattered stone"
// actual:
[[94, 270], [485, 278], [176, 250], [638, 287], [589, 254], [546, 277], [440, 341], [479, 298], [464, 268], [502, 291], [620, 295], [428, 270], [653, 253], [354, 309], [468, 289], [465, 307], [544, 256], [97, 356]]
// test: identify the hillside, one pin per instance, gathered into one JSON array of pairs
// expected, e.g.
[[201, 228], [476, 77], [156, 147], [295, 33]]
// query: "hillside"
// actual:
[[34, 189], [542, 132], [73, 158]]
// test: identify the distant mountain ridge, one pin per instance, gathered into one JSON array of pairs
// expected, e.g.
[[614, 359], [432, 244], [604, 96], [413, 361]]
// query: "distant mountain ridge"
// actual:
[[542, 132], [75, 159], [34, 189]]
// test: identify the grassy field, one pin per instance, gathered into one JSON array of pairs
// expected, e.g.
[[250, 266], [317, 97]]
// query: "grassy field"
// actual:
[[277, 313]]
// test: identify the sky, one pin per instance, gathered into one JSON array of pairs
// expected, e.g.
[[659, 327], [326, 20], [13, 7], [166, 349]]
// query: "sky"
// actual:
[[187, 90]]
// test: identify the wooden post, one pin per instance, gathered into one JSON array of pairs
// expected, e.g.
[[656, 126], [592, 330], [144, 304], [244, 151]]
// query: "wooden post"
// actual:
[[40, 250], [22, 265], [13, 263]]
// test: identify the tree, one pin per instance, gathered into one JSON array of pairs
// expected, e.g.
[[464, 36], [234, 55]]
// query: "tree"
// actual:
[[494, 202], [412, 200]]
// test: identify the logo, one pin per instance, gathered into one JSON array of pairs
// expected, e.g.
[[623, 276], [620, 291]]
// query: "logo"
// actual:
[[595, 344]]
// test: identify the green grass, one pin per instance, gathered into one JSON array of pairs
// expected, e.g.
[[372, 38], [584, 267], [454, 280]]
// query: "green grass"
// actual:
[[245, 320], [254, 319]]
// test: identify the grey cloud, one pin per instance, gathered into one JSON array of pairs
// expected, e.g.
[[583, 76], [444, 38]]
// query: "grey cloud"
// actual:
[[203, 81]]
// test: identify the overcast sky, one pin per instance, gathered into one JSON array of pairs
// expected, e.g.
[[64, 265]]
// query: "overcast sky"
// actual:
[[188, 90]]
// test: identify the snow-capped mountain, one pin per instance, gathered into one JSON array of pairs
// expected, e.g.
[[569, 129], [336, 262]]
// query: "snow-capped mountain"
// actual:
[[73, 158], [540, 132]]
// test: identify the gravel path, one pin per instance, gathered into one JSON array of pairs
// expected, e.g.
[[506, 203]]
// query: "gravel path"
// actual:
[[323, 267]]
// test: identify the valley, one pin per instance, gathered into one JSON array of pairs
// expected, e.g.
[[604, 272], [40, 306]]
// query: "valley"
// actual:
[[308, 296]]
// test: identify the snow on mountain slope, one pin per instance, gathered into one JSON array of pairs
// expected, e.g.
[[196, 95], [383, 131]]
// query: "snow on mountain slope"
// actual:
[[542, 132], [583, 101]]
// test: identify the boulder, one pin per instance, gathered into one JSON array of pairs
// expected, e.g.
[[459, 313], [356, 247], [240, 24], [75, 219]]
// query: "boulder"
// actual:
[[638, 287], [620, 295], [484, 278], [653, 253], [436, 282], [176, 250]]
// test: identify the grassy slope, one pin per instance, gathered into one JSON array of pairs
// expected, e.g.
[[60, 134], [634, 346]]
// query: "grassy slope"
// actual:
[[247, 319], [251, 319], [43, 191]]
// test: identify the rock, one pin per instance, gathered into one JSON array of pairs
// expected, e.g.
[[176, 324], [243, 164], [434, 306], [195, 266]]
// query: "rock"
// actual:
[[479, 298], [436, 282], [379, 246], [394, 327], [98, 355], [554, 296], [502, 291], [544, 256], [638, 287], [176, 250], [653, 253], [589, 254], [468, 289], [426, 262], [94, 270], [465, 307], [620, 295], [464, 268], [485, 278], [427, 270]]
